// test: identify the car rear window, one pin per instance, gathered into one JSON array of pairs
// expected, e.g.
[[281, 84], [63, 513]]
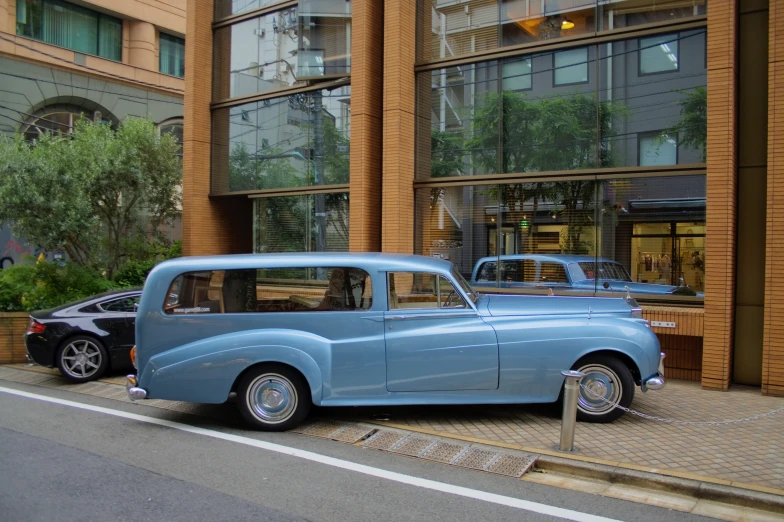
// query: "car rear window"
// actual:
[[269, 290], [607, 270], [552, 273]]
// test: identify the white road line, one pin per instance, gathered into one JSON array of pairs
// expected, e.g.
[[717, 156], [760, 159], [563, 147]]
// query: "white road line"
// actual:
[[526, 505]]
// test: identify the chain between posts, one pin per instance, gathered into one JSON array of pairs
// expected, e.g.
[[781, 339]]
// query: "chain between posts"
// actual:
[[680, 422]]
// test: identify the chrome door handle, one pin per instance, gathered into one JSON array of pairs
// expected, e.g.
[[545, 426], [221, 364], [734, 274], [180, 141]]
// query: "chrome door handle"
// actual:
[[396, 317]]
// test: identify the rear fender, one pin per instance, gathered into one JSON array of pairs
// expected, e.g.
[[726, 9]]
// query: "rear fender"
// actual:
[[205, 370]]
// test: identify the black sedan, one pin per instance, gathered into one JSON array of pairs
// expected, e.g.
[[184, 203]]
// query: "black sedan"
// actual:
[[85, 338]]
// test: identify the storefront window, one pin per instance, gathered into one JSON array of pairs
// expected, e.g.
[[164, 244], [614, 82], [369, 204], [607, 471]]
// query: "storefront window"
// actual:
[[307, 223], [450, 29], [582, 108], [574, 237], [293, 141], [224, 8]]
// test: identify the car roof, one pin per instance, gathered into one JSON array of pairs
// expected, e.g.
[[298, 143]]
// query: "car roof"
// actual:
[[367, 260], [555, 258]]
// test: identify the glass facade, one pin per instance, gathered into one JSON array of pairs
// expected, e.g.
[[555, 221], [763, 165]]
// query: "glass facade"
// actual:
[[588, 107], [577, 237], [172, 55], [297, 138], [449, 29], [67, 25]]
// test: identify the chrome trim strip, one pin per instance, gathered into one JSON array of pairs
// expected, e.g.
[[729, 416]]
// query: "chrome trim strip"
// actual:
[[430, 316]]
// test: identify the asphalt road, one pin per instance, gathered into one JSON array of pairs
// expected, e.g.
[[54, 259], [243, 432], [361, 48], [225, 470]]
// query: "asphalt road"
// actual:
[[62, 463]]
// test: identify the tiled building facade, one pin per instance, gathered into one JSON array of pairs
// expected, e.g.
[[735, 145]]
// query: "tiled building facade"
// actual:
[[637, 137]]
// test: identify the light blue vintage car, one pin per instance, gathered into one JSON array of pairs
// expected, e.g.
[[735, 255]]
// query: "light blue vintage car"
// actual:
[[284, 331], [578, 273]]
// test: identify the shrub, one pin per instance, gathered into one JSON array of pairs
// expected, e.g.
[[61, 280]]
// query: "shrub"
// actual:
[[134, 272], [26, 287]]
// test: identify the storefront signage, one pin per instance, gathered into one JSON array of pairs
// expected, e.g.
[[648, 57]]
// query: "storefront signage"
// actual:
[[663, 324]]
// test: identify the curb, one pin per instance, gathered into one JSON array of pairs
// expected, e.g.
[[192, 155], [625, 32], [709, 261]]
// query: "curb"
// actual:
[[697, 486]]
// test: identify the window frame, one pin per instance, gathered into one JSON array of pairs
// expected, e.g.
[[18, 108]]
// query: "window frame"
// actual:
[[530, 75], [437, 309], [640, 50], [162, 35], [648, 134], [556, 68], [77, 7], [102, 304]]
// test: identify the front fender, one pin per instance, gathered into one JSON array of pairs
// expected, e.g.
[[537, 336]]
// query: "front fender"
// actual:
[[205, 370]]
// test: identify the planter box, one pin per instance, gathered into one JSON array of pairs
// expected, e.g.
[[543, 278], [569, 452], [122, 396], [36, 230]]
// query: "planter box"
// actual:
[[12, 329]]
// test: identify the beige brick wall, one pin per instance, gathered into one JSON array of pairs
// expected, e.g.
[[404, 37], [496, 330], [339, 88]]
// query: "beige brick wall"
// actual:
[[367, 33], [773, 340], [721, 195], [397, 205]]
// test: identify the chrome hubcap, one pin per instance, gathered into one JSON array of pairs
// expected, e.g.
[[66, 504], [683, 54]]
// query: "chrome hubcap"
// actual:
[[272, 398], [602, 390], [81, 359]]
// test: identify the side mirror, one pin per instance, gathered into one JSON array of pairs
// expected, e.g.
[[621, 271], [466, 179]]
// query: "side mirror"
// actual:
[[135, 307]]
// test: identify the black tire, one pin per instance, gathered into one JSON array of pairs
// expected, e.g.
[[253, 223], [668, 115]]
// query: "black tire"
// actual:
[[612, 379], [278, 383], [82, 358]]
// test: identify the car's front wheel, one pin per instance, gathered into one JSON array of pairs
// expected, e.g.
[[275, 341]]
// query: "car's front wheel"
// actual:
[[608, 383], [273, 397], [82, 359]]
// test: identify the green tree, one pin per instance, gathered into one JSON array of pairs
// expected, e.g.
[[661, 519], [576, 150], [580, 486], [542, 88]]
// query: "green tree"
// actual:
[[88, 192], [692, 128]]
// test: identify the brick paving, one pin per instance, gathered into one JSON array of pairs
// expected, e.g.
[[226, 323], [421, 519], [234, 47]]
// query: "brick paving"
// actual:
[[749, 452]]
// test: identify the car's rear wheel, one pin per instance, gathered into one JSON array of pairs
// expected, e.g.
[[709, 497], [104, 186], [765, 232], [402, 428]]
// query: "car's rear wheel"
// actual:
[[608, 383], [82, 359], [273, 397]]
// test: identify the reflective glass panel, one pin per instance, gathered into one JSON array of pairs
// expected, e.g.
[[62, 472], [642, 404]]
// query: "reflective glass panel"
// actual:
[[292, 141]]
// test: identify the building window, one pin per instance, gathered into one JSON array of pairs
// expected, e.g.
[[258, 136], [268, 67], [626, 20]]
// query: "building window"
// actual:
[[293, 141], [659, 54], [657, 148], [306, 223], [67, 25], [172, 55], [571, 67], [588, 236], [517, 75]]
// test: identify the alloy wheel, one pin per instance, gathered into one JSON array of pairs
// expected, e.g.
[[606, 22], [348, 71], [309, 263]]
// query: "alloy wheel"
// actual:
[[81, 359]]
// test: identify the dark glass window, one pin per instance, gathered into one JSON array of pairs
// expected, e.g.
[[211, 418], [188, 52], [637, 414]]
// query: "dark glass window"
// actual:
[[124, 304], [73, 27], [172, 55], [295, 289]]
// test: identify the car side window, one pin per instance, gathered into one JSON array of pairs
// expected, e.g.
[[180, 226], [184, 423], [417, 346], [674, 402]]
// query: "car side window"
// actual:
[[296, 289], [518, 271], [418, 290], [486, 272], [124, 304], [552, 273]]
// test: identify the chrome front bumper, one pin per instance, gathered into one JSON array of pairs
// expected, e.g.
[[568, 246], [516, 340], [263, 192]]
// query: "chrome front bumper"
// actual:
[[134, 393], [655, 382]]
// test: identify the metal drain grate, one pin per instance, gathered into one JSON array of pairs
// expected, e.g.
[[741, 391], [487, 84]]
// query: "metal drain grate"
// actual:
[[323, 429], [443, 452], [383, 440], [510, 465], [474, 458], [352, 434], [412, 446]]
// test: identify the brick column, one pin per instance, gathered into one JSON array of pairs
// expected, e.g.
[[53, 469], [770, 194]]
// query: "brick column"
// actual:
[[773, 340], [209, 226], [721, 195], [367, 34], [142, 45], [398, 156]]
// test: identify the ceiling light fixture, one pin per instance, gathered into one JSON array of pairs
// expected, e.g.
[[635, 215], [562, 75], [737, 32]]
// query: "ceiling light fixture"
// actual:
[[567, 24]]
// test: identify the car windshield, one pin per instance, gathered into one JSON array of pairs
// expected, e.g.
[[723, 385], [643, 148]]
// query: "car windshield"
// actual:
[[607, 270], [464, 285]]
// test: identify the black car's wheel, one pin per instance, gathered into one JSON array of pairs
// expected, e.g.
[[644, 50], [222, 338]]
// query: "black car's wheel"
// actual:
[[608, 382], [82, 359], [273, 397]]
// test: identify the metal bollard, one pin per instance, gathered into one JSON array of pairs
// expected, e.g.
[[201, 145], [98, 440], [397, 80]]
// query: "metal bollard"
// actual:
[[569, 418]]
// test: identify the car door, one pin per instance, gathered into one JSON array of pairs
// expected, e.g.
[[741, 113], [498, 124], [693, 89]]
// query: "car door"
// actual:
[[119, 318], [435, 340]]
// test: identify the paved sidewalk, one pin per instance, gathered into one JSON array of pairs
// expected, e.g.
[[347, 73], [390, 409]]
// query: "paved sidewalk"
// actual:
[[747, 454]]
